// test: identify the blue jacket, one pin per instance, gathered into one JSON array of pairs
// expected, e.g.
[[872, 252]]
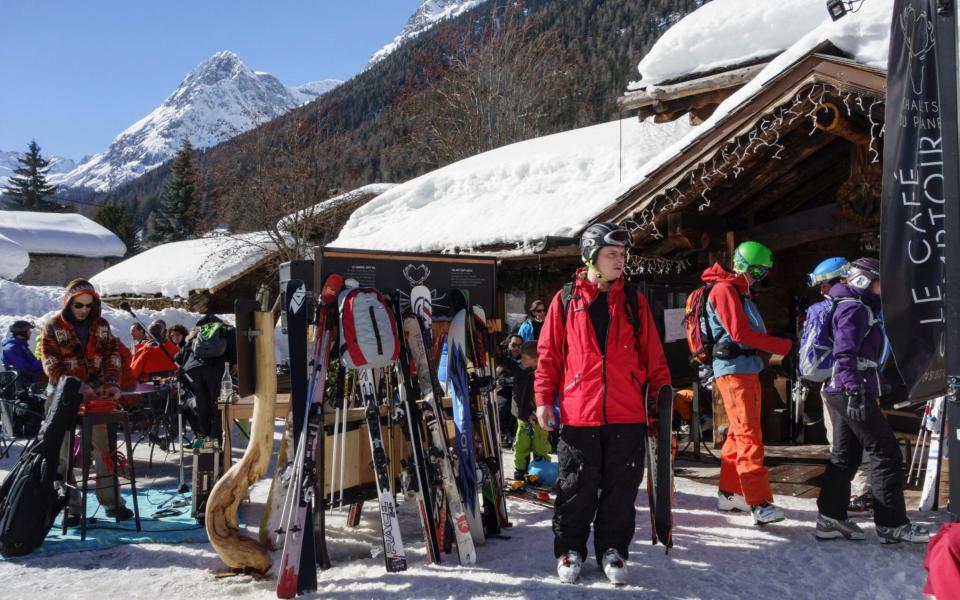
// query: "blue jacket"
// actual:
[[17, 355], [530, 330]]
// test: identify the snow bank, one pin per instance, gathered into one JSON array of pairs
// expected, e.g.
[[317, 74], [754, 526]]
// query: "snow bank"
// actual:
[[174, 269], [60, 233], [548, 186], [13, 258], [373, 189], [728, 32], [864, 35]]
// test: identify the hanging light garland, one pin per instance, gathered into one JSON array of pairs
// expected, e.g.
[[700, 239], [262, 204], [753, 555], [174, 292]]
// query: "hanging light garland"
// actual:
[[655, 265], [764, 137]]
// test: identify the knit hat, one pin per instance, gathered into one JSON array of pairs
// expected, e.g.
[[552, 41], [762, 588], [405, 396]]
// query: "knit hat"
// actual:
[[78, 287]]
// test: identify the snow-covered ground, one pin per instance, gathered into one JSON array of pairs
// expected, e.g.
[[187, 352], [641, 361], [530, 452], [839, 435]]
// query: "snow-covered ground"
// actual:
[[715, 556]]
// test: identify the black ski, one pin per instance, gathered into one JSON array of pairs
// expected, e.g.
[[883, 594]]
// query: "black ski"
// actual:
[[660, 465]]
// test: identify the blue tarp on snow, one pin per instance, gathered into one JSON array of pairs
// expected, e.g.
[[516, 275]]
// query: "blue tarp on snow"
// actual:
[[107, 533]]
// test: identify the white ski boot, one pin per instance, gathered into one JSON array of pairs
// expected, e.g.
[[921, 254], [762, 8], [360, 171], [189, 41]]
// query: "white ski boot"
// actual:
[[568, 566], [613, 567], [728, 502], [765, 513], [830, 529]]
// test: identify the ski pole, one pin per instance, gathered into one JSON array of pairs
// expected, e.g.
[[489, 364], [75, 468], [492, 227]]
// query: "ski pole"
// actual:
[[333, 452], [343, 440]]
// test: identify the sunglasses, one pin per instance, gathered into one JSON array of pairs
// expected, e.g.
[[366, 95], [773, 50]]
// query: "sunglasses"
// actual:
[[513, 346], [81, 305]]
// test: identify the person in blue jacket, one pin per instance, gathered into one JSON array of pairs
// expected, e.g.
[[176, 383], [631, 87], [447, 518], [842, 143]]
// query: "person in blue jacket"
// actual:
[[530, 328], [17, 354]]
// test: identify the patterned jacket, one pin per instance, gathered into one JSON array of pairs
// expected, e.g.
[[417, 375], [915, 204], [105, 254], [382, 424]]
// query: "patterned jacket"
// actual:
[[97, 364]]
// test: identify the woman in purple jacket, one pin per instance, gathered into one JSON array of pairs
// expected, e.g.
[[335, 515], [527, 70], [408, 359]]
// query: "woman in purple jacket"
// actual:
[[858, 424]]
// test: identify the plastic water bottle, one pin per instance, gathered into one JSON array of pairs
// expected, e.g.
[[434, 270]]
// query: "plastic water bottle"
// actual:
[[226, 387]]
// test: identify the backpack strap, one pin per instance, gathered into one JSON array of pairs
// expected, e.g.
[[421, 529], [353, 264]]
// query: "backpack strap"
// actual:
[[633, 305]]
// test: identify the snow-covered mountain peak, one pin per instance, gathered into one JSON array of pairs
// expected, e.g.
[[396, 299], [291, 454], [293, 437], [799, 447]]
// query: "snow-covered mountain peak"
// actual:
[[218, 99], [426, 16]]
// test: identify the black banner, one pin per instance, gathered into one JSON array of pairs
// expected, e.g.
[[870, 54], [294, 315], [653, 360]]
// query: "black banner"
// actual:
[[913, 232], [441, 273]]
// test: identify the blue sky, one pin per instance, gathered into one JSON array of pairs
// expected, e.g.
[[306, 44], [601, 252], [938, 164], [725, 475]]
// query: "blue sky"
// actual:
[[75, 74]]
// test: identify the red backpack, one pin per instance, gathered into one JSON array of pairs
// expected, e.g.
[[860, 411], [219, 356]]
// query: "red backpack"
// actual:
[[699, 334], [368, 332]]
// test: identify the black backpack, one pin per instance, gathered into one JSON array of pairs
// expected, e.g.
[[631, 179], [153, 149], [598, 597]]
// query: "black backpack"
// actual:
[[210, 340], [29, 501]]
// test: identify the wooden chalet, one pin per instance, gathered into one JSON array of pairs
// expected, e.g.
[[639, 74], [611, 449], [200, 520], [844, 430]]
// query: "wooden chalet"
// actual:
[[796, 166]]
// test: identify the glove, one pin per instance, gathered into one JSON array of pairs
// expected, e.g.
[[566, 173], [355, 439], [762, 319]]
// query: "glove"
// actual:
[[856, 406]]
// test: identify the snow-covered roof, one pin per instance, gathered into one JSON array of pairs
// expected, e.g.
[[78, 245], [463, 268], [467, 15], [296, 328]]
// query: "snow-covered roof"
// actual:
[[724, 33], [70, 234], [517, 194], [372, 190], [174, 269], [14, 259], [863, 35]]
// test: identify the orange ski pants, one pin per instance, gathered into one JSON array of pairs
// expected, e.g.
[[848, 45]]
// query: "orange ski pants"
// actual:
[[741, 459]]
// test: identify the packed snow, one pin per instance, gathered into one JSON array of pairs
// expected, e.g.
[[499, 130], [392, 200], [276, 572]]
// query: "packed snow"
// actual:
[[14, 259], [173, 270], [219, 99], [864, 35], [716, 555], [70, 234], [517, 194], [728, 32]]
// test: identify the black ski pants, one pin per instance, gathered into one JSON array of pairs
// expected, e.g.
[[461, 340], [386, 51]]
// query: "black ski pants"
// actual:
[[206, 389], [600, 473], [850, 439]]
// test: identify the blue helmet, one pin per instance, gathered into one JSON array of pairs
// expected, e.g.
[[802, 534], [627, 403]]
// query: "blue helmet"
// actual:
[[828, 270]]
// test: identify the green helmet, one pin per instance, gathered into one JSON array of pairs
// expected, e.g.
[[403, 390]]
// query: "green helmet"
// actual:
[[753, 258]]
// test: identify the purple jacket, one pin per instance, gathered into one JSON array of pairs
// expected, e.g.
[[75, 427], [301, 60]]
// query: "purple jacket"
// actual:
[[855, 341], [17, 355]]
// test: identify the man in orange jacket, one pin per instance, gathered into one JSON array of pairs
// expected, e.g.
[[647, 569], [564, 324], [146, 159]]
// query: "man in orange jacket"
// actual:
[[599, 358], [738, 331]]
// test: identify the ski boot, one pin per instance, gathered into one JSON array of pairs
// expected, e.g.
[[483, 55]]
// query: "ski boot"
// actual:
[[612, 564], [862, 505], [765, 513], [728, 502], [568, 566]]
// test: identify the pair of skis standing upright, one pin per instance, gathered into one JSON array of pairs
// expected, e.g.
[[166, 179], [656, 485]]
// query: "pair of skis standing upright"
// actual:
[[297, 573]]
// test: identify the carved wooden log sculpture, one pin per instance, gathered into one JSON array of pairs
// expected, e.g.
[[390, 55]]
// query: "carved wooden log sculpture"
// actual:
[[239, 551]]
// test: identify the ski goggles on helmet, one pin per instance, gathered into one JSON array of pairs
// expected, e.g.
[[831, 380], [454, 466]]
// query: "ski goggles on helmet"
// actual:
[[757, 272], [617, 237]]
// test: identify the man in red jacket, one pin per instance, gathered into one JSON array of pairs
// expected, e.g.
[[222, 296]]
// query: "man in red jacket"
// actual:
[[599, 359]]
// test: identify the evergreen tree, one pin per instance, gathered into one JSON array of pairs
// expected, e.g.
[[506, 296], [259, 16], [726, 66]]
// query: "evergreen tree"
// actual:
[[178, 217], [114, 216], [28, 189]]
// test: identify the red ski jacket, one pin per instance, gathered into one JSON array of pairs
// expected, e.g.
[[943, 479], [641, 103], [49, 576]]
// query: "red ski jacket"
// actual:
[[595, 387]]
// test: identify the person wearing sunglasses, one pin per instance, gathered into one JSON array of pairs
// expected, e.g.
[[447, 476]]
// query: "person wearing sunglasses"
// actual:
[[738, 331], [78, 342], [599, 352], [530, 329]]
